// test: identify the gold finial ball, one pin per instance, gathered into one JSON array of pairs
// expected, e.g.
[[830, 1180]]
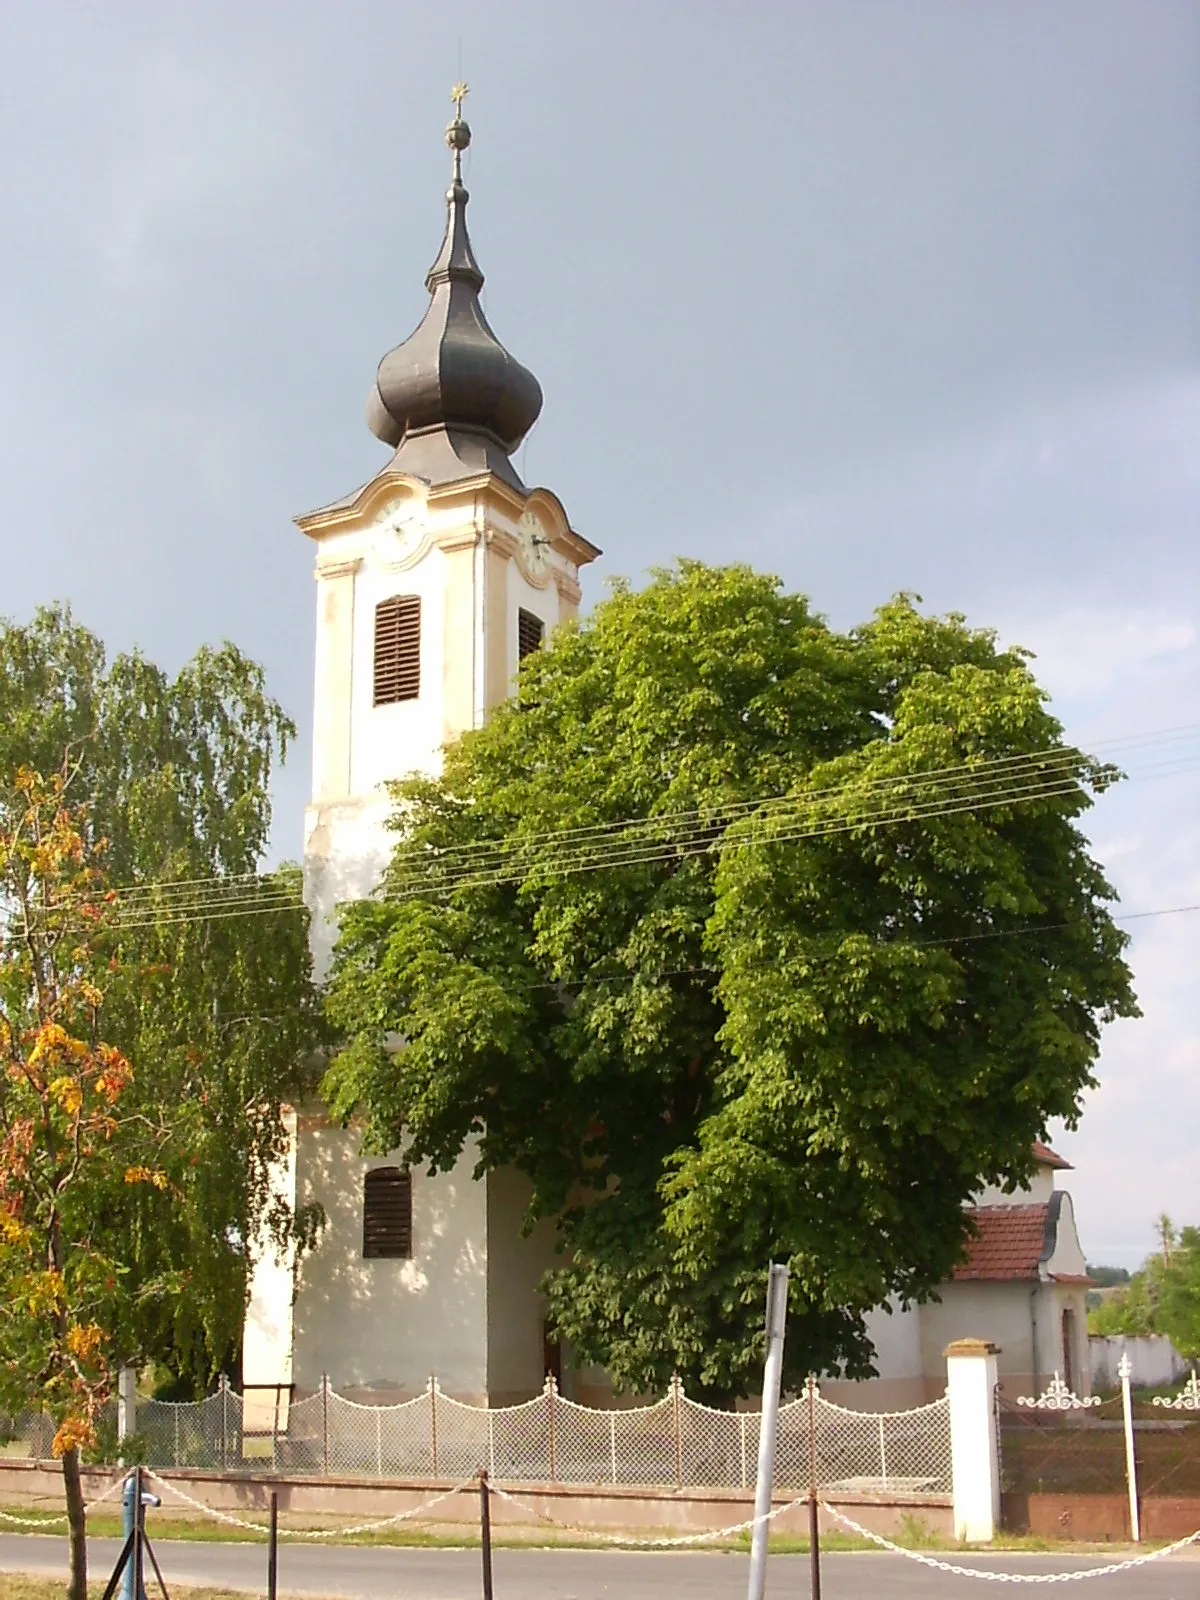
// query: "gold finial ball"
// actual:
[[458, 134]]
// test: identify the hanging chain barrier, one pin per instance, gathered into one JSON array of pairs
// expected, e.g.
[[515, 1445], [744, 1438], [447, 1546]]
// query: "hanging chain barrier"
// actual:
[[310, 1533], [659, 1543], [958, 1571]]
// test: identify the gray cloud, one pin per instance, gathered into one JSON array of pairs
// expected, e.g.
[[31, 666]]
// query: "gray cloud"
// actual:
[[877, 295]]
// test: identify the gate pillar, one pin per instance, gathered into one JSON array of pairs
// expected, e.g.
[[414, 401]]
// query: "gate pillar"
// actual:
[[974, 1444]]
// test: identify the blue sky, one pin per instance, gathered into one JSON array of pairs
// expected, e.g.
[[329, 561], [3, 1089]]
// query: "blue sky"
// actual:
[[876, 294]]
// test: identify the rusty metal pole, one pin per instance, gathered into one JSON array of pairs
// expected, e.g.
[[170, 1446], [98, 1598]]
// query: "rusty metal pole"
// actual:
[[814, 1512], [485, 1532], [139, 1537], [273, 1549]]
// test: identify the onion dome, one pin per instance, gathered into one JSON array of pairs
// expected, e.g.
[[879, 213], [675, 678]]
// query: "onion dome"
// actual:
[[450, 398]]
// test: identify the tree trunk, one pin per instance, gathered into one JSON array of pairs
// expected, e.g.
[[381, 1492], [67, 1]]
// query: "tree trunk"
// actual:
[[76, 1527]]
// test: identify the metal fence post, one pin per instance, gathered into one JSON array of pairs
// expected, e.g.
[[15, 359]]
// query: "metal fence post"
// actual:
[[551, 1391], [433, 1420], [379, 1441], [882, 1454], [224, 1421], [678, 1421], [325, 1422], [612, 1442], [1125, 1372]]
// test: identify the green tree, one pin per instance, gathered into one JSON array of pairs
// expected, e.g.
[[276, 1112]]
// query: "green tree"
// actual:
[[842, 967], [211, 994], [1163, 1297]]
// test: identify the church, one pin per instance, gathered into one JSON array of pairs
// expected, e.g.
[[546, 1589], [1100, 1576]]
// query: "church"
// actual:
[[433, 581]]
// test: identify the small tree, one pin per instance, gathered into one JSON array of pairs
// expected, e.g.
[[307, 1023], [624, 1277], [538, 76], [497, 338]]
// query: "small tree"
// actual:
[[1163, 1297], [67, 1141]]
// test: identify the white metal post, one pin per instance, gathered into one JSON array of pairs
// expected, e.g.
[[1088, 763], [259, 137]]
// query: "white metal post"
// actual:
[[1125, 1372], [777, 1290]]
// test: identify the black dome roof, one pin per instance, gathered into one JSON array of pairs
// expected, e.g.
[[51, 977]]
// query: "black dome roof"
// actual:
[[453, 374]]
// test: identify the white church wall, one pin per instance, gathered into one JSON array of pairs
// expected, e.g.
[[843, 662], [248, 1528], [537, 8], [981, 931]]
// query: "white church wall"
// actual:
[[391, 741], [346, 848], [387, 1325], [525, 596], [515, 1265], [267, 1333]]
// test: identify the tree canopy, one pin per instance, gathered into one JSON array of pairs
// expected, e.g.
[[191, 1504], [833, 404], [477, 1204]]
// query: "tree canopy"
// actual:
[[210, 995], [743, 938], [1163, 1297]]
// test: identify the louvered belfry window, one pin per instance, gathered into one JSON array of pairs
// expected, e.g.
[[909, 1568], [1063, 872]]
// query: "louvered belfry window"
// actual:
[[397, 649], [530, 632], [387, 1214]]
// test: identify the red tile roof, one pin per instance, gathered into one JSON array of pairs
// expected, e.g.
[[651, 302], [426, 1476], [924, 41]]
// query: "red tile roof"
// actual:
[[1008, 1243], [1045, 1157]]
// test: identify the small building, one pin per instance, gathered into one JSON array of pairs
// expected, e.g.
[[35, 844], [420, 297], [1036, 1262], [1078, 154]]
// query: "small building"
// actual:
[[1022, 1286]]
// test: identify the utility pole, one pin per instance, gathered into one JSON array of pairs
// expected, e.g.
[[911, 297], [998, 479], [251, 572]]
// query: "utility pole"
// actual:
[[777, 1291]]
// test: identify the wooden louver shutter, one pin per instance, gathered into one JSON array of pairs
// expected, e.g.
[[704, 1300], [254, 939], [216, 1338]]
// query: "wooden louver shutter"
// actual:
[[387, 1214], [530, 630], [398, 649]]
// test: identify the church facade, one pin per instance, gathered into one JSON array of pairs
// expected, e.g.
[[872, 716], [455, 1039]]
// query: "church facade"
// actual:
[[433, 580]]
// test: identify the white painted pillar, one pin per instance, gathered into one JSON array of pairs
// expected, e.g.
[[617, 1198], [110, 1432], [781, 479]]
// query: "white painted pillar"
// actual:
[[974, 1446], [126, 1405]]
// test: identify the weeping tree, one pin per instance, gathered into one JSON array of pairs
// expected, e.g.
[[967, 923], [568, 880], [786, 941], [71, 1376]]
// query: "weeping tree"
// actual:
[[743, 938]]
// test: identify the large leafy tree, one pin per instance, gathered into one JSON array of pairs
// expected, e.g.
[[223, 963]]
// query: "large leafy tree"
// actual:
[[742, 938], [210, 997]]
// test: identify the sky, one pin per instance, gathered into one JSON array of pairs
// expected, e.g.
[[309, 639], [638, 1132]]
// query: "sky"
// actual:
[[874, 294]]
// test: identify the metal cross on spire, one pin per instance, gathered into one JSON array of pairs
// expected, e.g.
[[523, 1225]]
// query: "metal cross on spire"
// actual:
[[458, 134]]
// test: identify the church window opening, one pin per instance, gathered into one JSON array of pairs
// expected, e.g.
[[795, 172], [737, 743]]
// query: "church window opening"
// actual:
[[531, 631], [397, 649], [387, 1215]]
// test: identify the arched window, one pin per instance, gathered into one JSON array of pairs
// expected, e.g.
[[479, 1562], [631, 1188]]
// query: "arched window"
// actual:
[[387, 1214], [398, 649]]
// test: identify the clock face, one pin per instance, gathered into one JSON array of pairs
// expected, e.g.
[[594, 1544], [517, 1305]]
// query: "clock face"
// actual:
[[395, 530], [534, 544]]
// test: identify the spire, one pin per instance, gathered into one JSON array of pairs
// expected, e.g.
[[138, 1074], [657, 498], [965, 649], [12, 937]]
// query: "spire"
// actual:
[[451, 399], [456, 261]]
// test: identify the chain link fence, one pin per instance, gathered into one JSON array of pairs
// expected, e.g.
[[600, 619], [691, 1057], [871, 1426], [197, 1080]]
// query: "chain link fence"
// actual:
[[674, 1442]]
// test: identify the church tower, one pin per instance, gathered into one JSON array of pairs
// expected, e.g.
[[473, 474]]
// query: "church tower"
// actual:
[[433, 580]]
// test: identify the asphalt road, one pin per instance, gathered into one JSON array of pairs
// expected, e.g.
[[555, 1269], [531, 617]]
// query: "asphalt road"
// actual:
[[380, 1573]]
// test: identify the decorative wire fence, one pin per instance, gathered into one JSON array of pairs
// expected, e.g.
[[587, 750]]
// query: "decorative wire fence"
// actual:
[[675, 1442]]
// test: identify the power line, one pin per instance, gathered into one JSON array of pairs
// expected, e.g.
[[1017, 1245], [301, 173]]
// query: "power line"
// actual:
[[634, 842]]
